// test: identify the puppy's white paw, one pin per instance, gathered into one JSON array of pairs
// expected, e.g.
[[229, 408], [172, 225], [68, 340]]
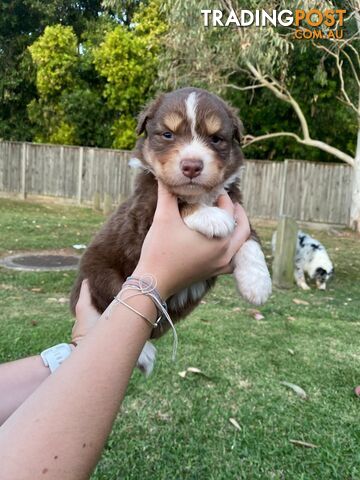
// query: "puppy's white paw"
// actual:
[[304, 286], [211, 222], [146, 360], [251, 273]]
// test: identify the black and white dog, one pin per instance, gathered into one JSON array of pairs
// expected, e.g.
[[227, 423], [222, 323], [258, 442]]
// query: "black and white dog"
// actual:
[[311, 259]]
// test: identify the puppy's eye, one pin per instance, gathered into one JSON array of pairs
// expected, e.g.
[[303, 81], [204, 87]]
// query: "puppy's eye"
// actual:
[[167, 135], [215, 139]]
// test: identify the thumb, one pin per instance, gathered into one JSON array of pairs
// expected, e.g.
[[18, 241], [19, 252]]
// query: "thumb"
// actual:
[[167, 203]]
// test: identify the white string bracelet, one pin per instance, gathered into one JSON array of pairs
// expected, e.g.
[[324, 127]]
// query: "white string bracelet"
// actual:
[[118, 300], [146, 285]]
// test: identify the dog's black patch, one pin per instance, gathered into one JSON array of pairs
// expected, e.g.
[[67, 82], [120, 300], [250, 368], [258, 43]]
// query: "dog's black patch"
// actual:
[[314, 246], [302, 240], [320, 274]]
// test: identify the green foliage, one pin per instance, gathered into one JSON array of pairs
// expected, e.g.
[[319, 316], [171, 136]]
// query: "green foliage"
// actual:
[[128, 60], [91, 88], [21, 23], [55, 55], [123, 10], [85, 108], [123, 60], [206, 56], [123, 132], [91, 71], [70, 108], [218, 60], [328, 119]]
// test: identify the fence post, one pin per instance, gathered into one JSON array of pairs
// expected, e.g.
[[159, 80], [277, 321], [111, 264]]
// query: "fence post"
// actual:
[[23, 171], [283, 187], [80, 172], [108, 206], [283, 264], [96, 201]]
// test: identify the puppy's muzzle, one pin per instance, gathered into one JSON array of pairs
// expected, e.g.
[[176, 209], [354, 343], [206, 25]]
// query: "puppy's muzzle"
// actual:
[[191, 168]]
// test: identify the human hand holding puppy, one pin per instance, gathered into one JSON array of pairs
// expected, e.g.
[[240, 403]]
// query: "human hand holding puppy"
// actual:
[[178, 256]]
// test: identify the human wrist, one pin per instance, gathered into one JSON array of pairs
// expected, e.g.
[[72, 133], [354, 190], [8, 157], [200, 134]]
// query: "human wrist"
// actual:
[[53, 357], [139, 300], [161, 283]]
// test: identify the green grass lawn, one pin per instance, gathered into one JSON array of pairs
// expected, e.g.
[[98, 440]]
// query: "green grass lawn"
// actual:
[[178, 428]]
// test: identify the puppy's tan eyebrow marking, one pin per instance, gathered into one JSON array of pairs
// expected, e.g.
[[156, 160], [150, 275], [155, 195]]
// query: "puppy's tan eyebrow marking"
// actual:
[[172, 121], [213, 124]]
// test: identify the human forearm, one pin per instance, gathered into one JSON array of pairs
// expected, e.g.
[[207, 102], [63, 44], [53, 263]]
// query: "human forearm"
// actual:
[[70, 415], [18, 380]]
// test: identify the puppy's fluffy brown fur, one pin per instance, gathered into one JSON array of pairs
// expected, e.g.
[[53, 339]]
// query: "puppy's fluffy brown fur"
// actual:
[[191, 143]]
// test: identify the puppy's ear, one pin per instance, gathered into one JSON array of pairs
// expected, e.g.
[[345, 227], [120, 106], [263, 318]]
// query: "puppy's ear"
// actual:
[[237, 125], [238, 129], [147, 113]]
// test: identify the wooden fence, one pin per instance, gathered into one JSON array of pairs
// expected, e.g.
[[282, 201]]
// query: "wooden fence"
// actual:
[[307, 191]]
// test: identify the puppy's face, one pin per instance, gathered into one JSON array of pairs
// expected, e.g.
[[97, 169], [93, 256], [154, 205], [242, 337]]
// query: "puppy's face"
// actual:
[[192, 141]]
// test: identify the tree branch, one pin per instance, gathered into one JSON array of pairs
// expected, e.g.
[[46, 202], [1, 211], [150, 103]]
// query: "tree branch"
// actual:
[[243, 89], [339, 65], [276, 88], [352, 67], [249, 140], [283, 94]]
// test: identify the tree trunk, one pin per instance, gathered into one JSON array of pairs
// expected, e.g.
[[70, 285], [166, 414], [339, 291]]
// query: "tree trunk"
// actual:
[[355, 195]]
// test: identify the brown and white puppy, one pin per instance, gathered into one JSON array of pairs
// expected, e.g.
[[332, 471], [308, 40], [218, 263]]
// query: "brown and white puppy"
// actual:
[[191, 143]]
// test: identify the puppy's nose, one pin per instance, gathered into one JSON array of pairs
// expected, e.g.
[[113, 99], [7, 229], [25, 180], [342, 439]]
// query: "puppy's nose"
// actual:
[[192, 168]]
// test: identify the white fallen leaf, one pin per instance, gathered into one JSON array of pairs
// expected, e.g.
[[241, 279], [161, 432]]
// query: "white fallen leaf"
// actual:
[[191, 370], [194, 370], [291, 351], [256, 314], [234, 423], [295, 388], [300, 443], [79, 246], [298, 301], [290, 318]]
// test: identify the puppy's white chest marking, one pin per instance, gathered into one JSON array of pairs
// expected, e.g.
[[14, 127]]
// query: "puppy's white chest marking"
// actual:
[[211, 222]]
